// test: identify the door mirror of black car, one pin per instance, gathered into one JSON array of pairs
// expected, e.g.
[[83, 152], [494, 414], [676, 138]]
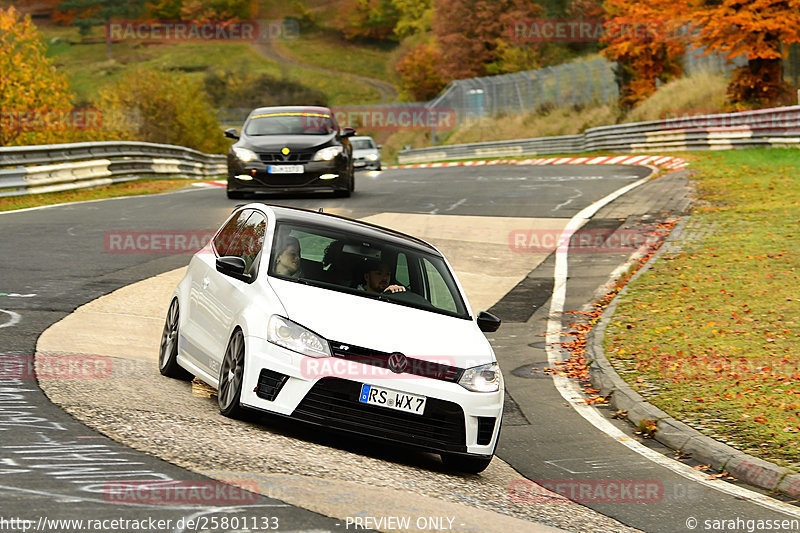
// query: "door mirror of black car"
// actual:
[[347, 131], [231, 133], [233, 266], [487, 322]]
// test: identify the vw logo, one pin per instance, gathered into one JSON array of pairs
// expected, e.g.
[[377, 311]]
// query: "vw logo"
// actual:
[[398, 363]]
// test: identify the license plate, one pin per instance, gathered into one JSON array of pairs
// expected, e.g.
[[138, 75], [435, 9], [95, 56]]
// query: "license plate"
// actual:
[[285, 169], [359, 163], [400, 401]]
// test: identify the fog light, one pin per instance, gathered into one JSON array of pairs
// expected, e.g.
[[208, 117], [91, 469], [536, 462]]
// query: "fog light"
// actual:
[[244, 177], [328, 176]]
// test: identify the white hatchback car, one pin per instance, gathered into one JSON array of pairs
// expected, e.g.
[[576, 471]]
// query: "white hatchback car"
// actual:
[[342, 324]]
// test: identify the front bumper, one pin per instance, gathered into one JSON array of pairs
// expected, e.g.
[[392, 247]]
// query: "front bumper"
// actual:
[[364, 163], [455, 420], [316, 176]]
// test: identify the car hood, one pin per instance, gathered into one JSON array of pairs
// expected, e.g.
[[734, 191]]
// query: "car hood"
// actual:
[[273, 143], [384, 326], [365, 152]]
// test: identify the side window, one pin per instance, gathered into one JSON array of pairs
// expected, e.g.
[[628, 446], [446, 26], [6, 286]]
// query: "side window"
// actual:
[[440, 294], [401, 273], [224, 238]]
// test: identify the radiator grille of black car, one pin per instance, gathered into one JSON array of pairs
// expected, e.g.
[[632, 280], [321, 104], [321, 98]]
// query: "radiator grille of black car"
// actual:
[[417, 367], [291, 157], [333, 402]]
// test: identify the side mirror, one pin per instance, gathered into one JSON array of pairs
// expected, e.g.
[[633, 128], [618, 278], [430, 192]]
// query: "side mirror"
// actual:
[[231, 133], [380, 146], [487, 322], [347, 131], [232, 266]]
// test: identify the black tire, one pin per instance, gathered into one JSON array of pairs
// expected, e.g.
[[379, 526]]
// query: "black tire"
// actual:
[[168, 353], [471, 464], [231, 375], [234, 195]]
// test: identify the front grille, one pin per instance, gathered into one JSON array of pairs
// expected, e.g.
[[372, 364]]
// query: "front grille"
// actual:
[[417, 367], [285, 180], [270, 384], [333, 402], [292, 157], [485, 429]]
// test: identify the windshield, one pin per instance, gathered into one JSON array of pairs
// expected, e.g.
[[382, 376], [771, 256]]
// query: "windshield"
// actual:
[[362, 144], [290, 124], [365, 266]]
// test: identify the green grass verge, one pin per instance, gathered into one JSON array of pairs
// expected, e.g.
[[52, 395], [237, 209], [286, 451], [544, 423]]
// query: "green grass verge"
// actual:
[[709, 333], [90, 70], [131, 188], [328, 49]]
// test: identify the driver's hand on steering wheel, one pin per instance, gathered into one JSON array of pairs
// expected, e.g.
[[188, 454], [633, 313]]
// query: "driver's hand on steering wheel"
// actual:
[[394, 288]]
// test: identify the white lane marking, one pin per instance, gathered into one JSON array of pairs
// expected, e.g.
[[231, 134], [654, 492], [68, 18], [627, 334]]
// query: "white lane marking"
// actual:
[[15, 318], [458, 203], [17, 295], [39, 208], [572, 393], [569, 200]]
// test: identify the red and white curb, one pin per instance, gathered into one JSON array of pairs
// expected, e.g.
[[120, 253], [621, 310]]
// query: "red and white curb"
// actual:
[[218, 183], [672, 163]]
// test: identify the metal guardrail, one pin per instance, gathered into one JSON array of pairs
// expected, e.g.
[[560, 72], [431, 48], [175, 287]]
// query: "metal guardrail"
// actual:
[[777, 127], [59, 167]]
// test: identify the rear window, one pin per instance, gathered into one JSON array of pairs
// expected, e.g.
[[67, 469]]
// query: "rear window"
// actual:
[[362, 144], [358, 265]]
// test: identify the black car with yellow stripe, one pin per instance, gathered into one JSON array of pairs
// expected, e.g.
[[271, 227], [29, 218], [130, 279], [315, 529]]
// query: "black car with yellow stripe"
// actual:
[[283, 149]]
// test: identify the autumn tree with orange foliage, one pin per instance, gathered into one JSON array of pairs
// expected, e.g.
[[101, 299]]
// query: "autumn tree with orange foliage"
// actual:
[[644, 37], [32, 91], [470, 33], [756, 29], [419, 72], [368, 19]]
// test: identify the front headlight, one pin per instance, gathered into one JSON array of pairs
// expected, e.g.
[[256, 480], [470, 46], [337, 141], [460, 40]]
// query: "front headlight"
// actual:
[[484, 378], [372, 157], [284, 332], [326, 154], [244, 155]]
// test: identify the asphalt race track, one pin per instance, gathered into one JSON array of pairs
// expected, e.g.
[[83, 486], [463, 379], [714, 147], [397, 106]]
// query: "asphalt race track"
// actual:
[[57, 259]]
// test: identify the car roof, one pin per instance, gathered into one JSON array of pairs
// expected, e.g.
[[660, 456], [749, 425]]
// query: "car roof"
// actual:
[[292, 109], [359, 137], [345, 225]]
